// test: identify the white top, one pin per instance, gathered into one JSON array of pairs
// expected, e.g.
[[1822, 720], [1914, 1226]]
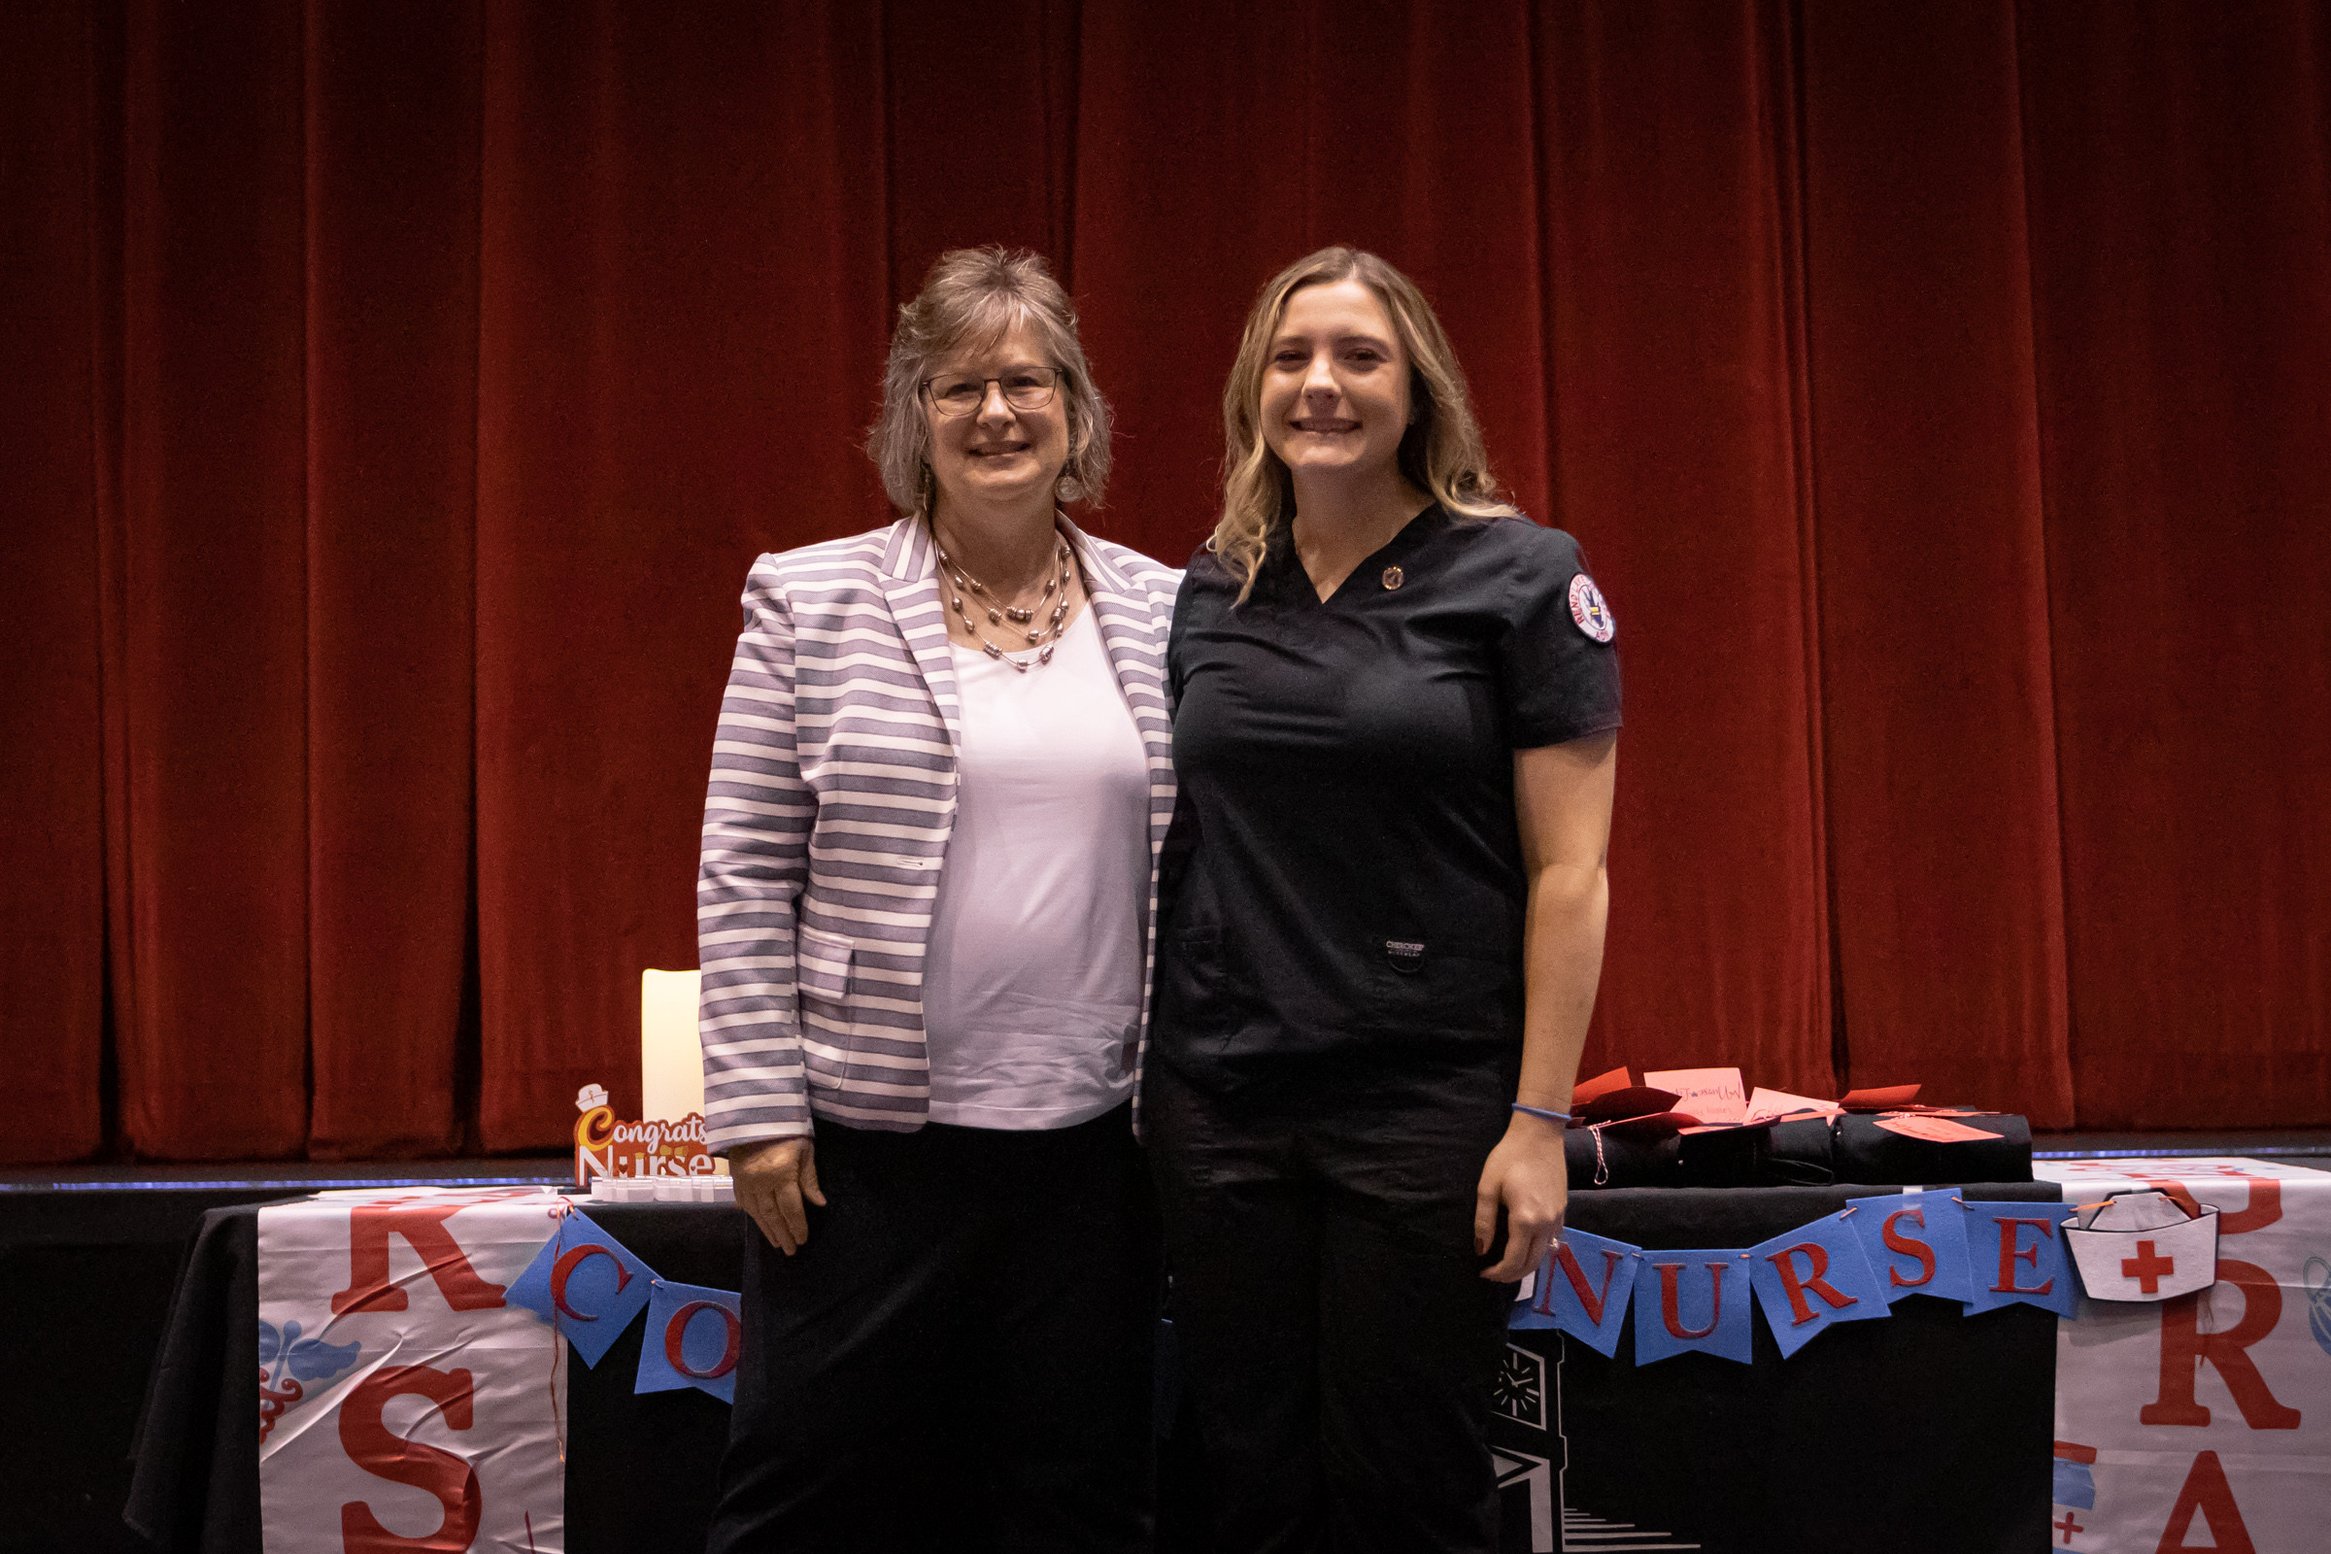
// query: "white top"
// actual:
[[1032, 992]]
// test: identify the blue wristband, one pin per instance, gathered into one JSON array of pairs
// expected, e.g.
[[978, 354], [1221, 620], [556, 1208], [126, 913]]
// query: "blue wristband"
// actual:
[[1543, 1112]]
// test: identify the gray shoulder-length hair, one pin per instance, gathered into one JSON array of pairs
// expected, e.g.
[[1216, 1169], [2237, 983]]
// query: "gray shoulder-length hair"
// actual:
[[971, 299]]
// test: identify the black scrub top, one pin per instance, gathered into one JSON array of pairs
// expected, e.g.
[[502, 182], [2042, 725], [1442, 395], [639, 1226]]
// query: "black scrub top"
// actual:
[[1344, 875]]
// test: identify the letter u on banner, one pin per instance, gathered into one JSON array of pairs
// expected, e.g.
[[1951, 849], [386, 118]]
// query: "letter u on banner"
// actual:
[[1692, 1300]]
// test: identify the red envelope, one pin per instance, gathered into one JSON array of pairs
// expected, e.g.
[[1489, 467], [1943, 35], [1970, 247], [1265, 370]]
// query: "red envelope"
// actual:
[[1634, 1101], [1602, 1084], [1880, 1100], [1935, 1130]]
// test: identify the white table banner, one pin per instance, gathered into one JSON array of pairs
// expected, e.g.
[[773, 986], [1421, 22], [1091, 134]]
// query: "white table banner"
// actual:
[[2203, 1422], [404, 1403]]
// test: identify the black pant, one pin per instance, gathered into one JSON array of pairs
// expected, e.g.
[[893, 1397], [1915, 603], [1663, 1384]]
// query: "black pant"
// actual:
[[1338, 1342], [959, 1359]]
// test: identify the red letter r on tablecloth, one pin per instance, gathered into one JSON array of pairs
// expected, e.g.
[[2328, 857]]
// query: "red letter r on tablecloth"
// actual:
[[423, 1226]]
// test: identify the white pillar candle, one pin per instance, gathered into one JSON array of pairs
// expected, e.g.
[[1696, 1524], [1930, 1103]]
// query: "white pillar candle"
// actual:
[[671, 1063]]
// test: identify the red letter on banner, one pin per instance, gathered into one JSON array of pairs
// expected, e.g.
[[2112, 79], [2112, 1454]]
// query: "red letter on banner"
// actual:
[[2010, 1232], [564, 1269], [1908, 1246], [1673, 1317], [677, 1329], [1784, 1262], [2185, 1348], [2207, 1492], [372, 1447], [1592, 1300], [423, 1226]]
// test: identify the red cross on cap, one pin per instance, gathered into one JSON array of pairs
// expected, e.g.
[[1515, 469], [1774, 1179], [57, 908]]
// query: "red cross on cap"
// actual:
[[2148, 1267]]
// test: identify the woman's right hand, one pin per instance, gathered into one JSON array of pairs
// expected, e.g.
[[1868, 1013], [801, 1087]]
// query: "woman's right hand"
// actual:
[[772, 1181]]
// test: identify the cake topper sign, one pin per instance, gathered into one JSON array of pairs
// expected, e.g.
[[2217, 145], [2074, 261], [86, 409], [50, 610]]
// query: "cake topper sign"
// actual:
[[607, 1148]]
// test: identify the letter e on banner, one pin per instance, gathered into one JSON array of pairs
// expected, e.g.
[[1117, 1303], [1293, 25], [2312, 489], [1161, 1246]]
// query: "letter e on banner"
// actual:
[[372, 1446]]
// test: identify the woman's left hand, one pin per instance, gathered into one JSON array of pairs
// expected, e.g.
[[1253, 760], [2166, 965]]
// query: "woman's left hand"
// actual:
[[1528, 1178]]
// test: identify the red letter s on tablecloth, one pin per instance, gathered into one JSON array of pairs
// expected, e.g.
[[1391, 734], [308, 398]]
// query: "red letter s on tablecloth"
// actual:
[[374, 1448]]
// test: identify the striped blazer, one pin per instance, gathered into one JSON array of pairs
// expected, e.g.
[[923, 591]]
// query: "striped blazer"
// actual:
[[826, 824]]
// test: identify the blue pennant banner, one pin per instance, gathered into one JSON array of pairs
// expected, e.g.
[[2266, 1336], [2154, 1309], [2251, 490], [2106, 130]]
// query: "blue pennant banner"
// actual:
[[1692, 1300], [1582, 1290], [586, 1284], [692, 1340], [2016, 1256], [1814, 1277], [1917, 1242]]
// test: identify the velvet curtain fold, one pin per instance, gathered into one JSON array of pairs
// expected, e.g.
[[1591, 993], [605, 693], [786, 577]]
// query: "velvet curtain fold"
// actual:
[[397, 395]]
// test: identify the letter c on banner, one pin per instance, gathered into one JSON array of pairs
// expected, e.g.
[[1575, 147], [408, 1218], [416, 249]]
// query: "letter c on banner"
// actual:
[[677, 1329], [372, 1446], [564, 1269]]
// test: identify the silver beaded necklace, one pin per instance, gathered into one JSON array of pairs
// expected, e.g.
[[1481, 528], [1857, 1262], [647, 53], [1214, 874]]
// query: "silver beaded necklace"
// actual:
[[1044, 638]]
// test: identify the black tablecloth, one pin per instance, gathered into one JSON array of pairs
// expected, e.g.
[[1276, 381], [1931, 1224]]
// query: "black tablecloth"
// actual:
[[1927, 1432]]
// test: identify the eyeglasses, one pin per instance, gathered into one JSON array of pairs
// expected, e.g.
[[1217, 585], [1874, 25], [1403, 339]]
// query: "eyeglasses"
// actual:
[[962, 393]]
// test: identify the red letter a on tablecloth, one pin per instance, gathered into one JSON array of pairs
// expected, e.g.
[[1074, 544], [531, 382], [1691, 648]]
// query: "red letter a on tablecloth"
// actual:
[[2206, 1492], [422, 1225], [374, 1448]]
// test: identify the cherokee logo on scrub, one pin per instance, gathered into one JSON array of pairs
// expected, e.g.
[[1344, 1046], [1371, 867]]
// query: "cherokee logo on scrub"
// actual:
[[1588, 609]]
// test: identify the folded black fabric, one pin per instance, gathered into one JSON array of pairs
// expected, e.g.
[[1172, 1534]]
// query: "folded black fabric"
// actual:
[[1869, 1153], [1727, 1157], [1802, 1153]]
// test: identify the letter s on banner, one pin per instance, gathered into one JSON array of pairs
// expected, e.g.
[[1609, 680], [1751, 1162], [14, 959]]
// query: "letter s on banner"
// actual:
[[372, 1446]]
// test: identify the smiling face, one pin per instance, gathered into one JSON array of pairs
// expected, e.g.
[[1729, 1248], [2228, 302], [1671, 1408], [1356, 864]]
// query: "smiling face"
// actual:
[[999, 455], [1335, 398]]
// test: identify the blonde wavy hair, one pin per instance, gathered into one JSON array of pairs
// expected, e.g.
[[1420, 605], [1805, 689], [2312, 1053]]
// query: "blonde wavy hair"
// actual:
[[972, 298], [1441, 453]]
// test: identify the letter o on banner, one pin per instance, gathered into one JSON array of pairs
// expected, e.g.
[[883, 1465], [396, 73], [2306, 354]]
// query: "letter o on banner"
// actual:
[[676, 1333]]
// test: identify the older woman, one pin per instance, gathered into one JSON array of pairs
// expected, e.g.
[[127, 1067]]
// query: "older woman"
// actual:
[[925, 922], [1395, 724]]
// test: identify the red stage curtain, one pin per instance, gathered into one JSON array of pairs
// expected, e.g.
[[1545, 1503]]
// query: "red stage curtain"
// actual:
[[397, 396]]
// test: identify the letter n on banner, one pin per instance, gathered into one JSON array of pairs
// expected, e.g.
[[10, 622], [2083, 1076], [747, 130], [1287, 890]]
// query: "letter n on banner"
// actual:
[[1813, 1277], [1582, 1289], [417, 1411]]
